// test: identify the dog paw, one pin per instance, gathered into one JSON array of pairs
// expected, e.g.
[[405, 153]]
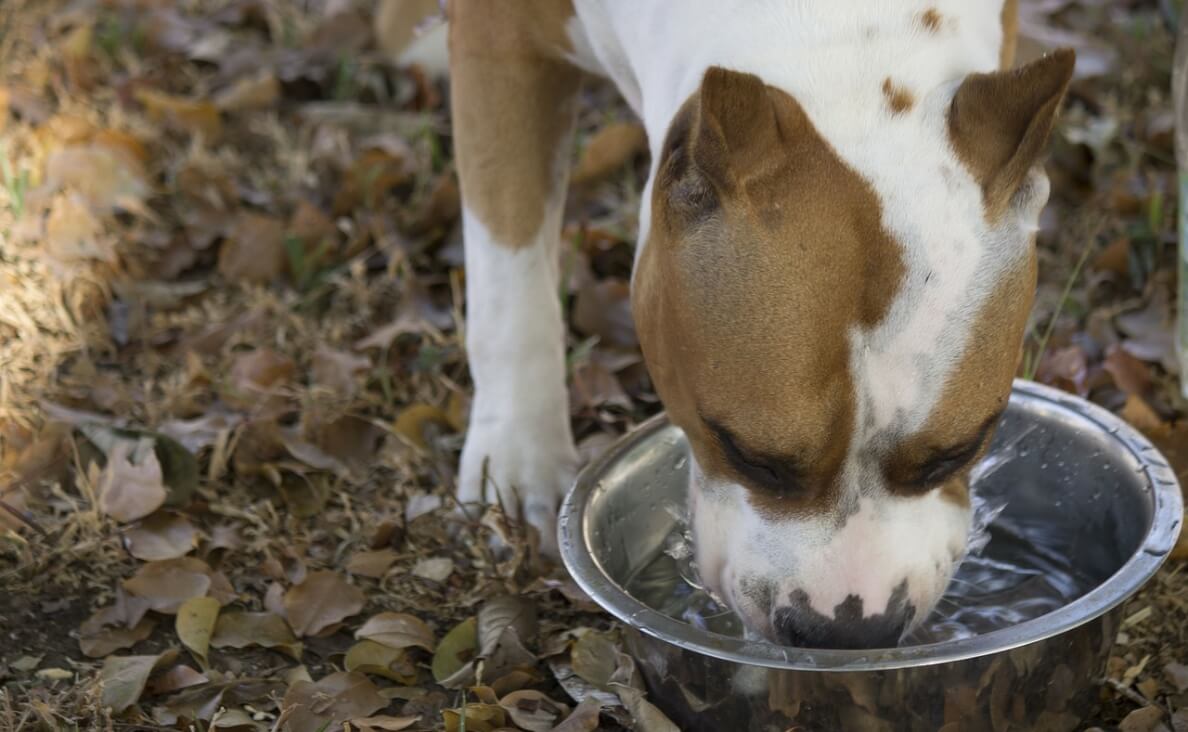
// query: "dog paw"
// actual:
[[521, 467]]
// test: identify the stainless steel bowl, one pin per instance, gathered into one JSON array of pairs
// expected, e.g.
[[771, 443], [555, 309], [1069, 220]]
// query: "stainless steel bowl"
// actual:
[[1111, 503]]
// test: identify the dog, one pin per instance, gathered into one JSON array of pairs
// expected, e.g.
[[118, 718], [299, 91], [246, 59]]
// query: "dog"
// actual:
[[834, 270]]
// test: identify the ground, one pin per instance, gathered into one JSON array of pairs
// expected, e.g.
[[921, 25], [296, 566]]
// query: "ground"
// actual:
[[233, 387]]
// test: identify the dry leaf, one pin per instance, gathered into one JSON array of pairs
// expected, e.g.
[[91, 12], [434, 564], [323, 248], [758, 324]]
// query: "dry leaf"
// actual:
[[254, 250], [259, 91], [322, 600], [165, 585], [437, 569], [532, 710], [105, 632], [410, 423], [195, 623], [163, 535], [196, 117], [397, 630], [122, 678], [371, 563], [330, 702], [456, 650], [608, 150], [267, 630], [131, 485], [370, 657]]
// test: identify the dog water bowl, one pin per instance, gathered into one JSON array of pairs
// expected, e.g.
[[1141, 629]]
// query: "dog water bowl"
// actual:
[[1106, 496]]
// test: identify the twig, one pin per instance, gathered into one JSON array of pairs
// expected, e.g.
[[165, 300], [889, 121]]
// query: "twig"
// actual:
[[24, 518]]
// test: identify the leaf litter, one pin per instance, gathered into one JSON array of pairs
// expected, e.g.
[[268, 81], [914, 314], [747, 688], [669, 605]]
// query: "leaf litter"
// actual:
[[235, 387]]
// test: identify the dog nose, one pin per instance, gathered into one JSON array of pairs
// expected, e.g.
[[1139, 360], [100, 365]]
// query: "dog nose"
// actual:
[[802, 627]]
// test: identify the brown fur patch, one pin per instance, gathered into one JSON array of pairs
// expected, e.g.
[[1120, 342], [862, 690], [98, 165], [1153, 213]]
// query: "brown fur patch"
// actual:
[[978, 389], [999, 123], [512, 95], [1010, 33], [765, 250], [898, 98], [931, 20]]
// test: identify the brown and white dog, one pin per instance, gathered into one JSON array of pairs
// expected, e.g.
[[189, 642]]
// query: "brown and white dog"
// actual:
[[834, 270]]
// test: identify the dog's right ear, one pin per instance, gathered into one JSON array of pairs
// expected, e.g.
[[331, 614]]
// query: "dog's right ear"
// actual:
[[728, 135]]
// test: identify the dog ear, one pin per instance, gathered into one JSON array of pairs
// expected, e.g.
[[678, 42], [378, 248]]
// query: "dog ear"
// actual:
[[999, 123], [732, 132]]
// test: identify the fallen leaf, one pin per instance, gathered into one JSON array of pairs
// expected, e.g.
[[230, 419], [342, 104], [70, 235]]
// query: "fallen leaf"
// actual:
[[316, 707], [163, 535], [437, 569], [167, 584], [474, 718], [322, 600], [584, 717], [267, 630], [131, 485], [370, 657], [122, 678], [193, 116], [608, 150], [257, 91], [531, 710], [371, 563], [254, 250], [105, 632], [410, 423], [176, 678], [397, 630], [195, 622], [1144, 719], [384, 723], [455, 650]]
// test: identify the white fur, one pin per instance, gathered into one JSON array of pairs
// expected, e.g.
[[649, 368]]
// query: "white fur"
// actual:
[[834, 57]]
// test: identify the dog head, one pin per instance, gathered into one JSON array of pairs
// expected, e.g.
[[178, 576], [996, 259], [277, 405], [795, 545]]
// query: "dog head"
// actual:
[[837, 332]]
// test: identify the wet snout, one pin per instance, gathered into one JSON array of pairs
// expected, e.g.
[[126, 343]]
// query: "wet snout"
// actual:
[[852, 625]]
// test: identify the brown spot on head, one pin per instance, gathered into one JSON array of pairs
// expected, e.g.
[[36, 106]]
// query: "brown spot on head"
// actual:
[[999, 123], [899, 99], [765, 250], [931, 20]]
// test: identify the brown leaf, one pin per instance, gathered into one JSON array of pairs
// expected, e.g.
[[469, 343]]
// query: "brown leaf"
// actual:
[[122, 678], [258, 91], [322, 600], [1145, 719], [195, 622], [397, 630], [371, 563], [584, 717], [254, 250], [131, 485], [243, 629], [195, 117], [315, 707], [532, 710], [178, 677], [608, 150], [105, 632], [1130, 374], [163, 535], [410, 423], [169, 583], [603, 308]]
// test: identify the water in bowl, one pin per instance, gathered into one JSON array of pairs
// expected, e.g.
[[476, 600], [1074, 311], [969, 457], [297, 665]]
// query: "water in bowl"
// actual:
[[1010, 574]]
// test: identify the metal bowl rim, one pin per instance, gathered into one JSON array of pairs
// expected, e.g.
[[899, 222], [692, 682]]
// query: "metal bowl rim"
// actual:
[[1141, 566]]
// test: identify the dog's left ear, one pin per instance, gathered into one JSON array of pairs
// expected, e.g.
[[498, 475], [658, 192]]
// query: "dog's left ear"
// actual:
[[999, 123]]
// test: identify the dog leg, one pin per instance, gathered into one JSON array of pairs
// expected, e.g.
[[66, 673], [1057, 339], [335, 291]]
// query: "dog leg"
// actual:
[[513, 109]]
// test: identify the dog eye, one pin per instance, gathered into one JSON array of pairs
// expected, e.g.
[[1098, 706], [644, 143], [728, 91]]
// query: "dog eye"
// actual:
[[776, 474]]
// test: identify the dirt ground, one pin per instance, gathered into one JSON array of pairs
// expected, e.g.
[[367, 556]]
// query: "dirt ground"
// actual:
[[233, 387]]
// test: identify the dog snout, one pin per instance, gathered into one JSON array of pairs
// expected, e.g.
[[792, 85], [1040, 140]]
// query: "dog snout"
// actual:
[[800, 625]]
